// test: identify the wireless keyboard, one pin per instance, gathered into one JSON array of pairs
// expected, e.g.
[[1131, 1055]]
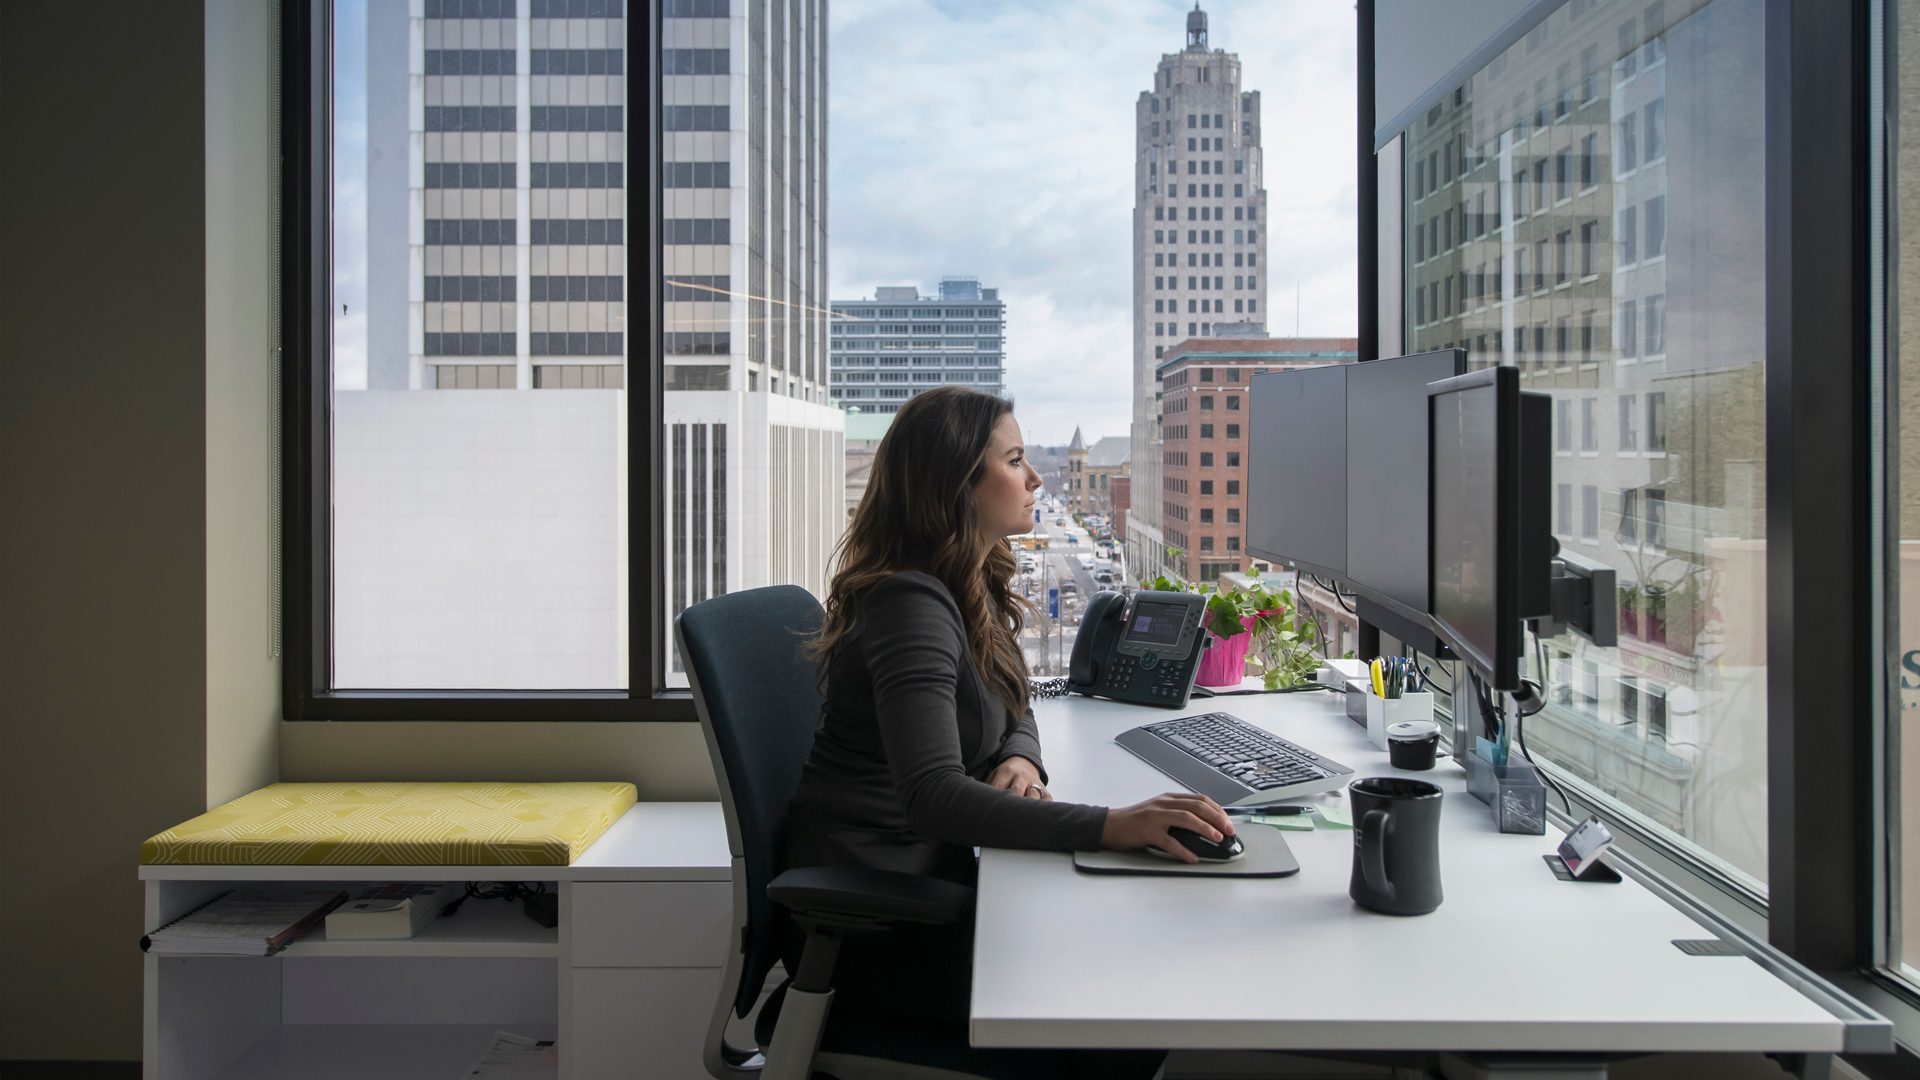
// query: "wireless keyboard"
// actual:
[[1232, 762]]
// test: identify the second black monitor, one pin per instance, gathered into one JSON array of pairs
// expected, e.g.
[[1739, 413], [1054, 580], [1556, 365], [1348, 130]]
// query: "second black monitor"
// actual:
[[1387, 480]]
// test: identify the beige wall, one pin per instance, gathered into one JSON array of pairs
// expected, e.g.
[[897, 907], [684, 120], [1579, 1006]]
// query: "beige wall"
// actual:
[[667, 762], [243, 666], [103, 477]]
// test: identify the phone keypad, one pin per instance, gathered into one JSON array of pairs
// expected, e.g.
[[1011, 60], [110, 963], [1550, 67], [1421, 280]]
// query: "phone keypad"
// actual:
[[1161, 681]]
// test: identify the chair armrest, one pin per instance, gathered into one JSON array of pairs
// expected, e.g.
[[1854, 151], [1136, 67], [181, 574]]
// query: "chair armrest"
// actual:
[[869, 895]]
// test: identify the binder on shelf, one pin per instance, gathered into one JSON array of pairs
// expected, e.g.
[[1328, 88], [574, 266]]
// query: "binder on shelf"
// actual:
[[392, 911], [244, 922]]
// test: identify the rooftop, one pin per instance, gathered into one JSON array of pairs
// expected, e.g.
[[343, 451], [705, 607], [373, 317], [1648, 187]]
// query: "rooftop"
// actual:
[[1110, 452], [1273, 348]]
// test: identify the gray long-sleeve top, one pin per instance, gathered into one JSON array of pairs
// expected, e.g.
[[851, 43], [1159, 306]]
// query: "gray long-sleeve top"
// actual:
[[909, 735]]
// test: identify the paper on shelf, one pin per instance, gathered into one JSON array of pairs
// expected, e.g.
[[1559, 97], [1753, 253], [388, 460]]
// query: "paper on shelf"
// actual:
[[516, 1057]]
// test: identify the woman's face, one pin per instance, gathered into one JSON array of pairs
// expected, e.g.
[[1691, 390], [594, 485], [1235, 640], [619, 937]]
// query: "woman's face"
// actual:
[[1005, 491]]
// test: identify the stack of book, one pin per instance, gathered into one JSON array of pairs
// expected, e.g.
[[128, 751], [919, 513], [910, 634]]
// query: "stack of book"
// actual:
[[244, 922]]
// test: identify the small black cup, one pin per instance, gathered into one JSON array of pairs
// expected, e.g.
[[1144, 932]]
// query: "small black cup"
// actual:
[[1412, 744], [1396, 845]]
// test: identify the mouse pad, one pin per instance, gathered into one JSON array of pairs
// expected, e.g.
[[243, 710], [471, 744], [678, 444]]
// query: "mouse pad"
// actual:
[[1267, 855]]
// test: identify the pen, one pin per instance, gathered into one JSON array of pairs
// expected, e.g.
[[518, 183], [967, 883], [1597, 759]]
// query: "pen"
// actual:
[[1379, 691], [1277, 811]]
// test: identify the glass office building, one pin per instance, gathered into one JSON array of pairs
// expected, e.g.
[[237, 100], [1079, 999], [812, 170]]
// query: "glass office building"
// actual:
[[887, 350], [499, 160]]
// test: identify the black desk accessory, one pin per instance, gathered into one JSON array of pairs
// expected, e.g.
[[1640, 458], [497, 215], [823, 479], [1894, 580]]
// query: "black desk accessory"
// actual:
[[1601, 873]]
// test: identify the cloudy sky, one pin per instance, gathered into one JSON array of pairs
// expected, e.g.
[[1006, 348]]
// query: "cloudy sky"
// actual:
[[994, 138]]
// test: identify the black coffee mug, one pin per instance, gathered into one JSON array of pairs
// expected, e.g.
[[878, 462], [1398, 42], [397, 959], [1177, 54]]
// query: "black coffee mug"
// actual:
[[1396, 845]]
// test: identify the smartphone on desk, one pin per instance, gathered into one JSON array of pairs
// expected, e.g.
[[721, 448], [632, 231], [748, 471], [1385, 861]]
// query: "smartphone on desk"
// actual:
[[1145, 650]]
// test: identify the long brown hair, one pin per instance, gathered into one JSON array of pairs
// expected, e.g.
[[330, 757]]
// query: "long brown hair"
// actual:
[[920, 513]]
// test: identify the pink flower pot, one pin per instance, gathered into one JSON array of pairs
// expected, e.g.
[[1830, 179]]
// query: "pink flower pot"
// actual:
[[1224, 663]]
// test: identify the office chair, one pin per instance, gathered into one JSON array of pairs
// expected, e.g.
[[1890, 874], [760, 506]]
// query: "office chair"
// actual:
[[758, 706]]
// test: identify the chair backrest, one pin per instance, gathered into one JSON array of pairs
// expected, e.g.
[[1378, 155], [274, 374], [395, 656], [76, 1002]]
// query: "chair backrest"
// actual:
[[758, 705]]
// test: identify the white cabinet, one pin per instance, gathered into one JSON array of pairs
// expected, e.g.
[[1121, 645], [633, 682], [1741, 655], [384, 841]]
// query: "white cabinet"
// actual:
[[626, 982]]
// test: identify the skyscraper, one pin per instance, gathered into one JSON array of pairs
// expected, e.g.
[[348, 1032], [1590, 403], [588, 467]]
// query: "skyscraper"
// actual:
[[1199, 242], [888, 349], [498, 170]]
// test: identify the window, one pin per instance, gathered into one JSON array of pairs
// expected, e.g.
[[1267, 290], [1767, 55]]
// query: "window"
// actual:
[[1656, 318], [1233, 487], [1619, 319], [1206, 487], [1626, 147], [1629, 528]]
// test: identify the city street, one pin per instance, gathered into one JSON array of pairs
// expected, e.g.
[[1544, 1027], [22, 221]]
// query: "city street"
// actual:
[[1048, 644]]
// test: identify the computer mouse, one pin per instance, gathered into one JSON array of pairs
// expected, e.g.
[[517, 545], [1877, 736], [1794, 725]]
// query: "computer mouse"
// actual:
[[1226, 850]]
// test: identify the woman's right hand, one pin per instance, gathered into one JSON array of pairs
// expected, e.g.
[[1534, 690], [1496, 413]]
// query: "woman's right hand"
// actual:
[[1130, 828]]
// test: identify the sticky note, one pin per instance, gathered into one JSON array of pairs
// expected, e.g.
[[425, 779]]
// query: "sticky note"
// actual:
[[1291, 822], [1335, 813]]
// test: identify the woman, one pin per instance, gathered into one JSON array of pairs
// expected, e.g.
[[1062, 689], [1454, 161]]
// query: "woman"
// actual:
[[927, 747]]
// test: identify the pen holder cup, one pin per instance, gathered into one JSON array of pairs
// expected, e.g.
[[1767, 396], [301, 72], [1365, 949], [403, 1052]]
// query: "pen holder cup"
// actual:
[[1383, 713], [1513, 792]]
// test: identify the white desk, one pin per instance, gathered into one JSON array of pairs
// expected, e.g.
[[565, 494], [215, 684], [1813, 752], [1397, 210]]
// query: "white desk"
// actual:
[[1079, 960]]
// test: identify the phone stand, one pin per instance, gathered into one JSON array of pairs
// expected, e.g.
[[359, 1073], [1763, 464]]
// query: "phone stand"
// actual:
[[1601, 872]]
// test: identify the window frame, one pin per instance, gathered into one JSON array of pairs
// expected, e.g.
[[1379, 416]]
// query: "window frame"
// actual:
[[304, 402], [1826, 904]]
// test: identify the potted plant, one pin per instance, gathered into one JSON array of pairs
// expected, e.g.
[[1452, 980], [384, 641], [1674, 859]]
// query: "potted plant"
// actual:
[[1251, 629]]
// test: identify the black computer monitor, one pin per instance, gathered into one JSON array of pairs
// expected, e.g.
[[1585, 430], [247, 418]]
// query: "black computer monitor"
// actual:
[[1474, 500], [1297, 468], [1387, 477]]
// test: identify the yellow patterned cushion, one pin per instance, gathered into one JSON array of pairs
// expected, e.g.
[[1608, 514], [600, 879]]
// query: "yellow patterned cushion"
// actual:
[[398, 825]]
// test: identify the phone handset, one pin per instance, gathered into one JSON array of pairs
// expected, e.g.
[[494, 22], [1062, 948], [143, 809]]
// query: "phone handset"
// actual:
[[1093, 644]]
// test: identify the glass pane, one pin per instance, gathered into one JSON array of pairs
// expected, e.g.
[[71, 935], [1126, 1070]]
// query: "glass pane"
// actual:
[[479, 538], [1608, 227], [984, 222]]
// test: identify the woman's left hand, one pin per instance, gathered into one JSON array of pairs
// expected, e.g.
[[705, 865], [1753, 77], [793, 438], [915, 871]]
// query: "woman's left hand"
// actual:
[[1020, 776]]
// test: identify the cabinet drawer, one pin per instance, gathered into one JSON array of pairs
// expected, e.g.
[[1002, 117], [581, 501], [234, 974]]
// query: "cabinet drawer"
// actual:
[[651, 924], [639, 1022]]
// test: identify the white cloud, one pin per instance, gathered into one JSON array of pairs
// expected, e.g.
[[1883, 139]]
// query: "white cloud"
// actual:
[[996, 140]]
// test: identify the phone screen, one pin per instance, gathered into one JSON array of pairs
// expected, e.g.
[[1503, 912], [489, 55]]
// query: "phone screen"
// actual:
[[1156, 623]]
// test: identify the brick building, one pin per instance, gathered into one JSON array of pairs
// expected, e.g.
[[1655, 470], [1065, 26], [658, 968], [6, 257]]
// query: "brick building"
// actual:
[[1204, 421]]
